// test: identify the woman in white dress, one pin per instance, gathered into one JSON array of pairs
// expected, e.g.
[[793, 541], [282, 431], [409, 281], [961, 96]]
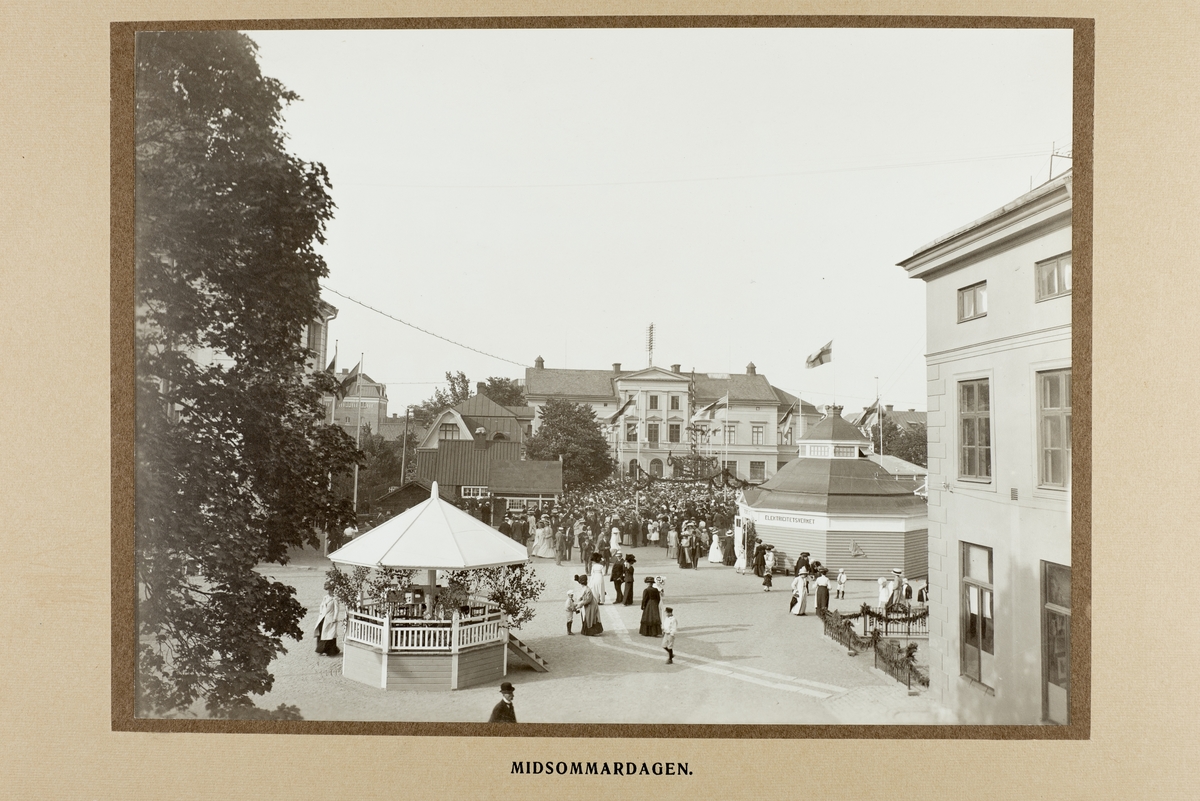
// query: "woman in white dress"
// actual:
[[615, 538], [543, 543], [652, 535], [800, 593], [595, 579], [715, 554]]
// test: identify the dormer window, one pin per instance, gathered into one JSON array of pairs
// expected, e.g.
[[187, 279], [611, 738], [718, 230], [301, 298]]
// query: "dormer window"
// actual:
[[843, 451]]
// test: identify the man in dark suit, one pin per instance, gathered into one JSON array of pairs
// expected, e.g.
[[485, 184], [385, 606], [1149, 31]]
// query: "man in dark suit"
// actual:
[[505, 526], [503, 712]]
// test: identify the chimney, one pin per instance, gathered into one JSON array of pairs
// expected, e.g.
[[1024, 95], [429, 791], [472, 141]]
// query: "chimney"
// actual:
[[616, 367], [480, 437], [479, 387], [750, 369], [675, 368], [539, 363], [888, 408]]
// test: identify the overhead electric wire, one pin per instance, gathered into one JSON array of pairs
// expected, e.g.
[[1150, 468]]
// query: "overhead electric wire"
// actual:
[[863, 168], [419, 328]]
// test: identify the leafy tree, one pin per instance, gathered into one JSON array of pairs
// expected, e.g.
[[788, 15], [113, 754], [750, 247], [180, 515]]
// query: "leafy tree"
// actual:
[[234, 458], [571, 430], [513, 588], [458, 390], [910, 444], [504, 391], [379, 469]]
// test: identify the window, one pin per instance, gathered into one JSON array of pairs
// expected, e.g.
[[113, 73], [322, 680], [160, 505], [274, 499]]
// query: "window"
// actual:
[[818, 450], [474, 492], [972, 302], [653, 401], [514, 504], [1054, 277], [1054, 428], [843, 451], [975, 430], [673, 432], [656, 468], [731, 467], [633, 468], [756, 435], [730, 434], [1056, 641], [674, 403], [977, 622], [758, 471], [631, 432], [652, 433], [448, 431]]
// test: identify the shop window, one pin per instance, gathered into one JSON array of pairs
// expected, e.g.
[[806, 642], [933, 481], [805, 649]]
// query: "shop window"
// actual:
[[1056, 642], [977, 618]]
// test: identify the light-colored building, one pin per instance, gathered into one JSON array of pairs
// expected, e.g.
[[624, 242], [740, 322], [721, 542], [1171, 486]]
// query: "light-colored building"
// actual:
[[998, 300], [365, 404], [648, 414]]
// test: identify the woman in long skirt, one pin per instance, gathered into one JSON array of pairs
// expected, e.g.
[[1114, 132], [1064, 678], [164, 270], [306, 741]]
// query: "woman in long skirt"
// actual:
[[800, 593], [327, 621], [590, 609], [595, 579], [651, 625], [822, 592], [672, 544]]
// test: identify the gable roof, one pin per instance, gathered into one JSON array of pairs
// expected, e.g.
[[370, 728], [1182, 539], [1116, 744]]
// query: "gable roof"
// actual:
[[655, 373], [834, 428], [482, 406]]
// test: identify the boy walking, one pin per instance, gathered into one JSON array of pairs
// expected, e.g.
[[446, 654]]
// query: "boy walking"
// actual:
[[670, 626]]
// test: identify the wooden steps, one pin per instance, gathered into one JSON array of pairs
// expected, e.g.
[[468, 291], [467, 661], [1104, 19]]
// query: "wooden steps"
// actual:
[[525, 654]]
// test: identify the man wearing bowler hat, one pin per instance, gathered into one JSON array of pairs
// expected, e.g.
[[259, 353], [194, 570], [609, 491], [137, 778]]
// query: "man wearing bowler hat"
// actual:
[[503, 712]]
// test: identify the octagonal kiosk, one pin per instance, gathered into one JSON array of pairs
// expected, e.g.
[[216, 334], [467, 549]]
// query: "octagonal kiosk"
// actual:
[[838, 503], [395, 643]]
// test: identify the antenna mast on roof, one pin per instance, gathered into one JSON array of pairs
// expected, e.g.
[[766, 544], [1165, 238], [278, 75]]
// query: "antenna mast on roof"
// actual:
[[650, 344]]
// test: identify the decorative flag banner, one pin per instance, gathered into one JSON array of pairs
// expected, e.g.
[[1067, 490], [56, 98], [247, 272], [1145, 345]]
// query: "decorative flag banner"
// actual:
[[624, 407], [349, 381], [823, 356], [710, 411], [787, 417], [332, 368], [867, 412]]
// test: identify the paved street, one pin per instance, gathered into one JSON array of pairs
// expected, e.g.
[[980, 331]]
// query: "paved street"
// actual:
[[739, 658]]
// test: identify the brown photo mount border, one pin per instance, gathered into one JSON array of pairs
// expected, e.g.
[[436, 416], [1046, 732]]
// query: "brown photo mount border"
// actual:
[[122, 463]]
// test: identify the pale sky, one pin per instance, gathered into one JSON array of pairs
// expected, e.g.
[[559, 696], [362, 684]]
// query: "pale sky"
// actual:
[[553, 192]]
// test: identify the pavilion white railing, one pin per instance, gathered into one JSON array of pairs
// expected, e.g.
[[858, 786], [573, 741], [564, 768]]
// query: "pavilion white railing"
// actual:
[[463, 631]]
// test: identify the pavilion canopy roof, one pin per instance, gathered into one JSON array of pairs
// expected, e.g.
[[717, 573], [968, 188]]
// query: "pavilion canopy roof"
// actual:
[[433, 535]]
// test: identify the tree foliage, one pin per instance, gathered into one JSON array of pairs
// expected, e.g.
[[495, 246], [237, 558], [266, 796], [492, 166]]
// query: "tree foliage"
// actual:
[[233, 454], [504, 391], [910, 444], [458, 389], [513, 588], [571, 430]]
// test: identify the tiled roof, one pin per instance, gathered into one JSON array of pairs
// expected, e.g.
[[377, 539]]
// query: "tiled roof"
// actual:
[[834, 429], [459, 462], [838, 487], [742, 388], [526, 478], [571, 383], [482, 406], [786, 399]]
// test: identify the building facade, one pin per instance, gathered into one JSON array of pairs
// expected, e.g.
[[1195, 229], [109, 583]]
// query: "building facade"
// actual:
[[365, 404], [998, 300], [650, 416]]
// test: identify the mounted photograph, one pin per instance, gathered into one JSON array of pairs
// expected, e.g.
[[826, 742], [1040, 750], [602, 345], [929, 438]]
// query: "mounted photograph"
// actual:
[[516, 372]]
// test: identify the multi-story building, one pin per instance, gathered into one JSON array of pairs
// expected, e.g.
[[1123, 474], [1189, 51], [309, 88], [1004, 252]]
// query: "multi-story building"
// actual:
[[649, 414], [362, 395], [998, 300]]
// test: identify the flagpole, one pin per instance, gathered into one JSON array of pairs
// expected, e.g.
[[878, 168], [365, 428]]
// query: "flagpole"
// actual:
[[357, 429], [333, 405]]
